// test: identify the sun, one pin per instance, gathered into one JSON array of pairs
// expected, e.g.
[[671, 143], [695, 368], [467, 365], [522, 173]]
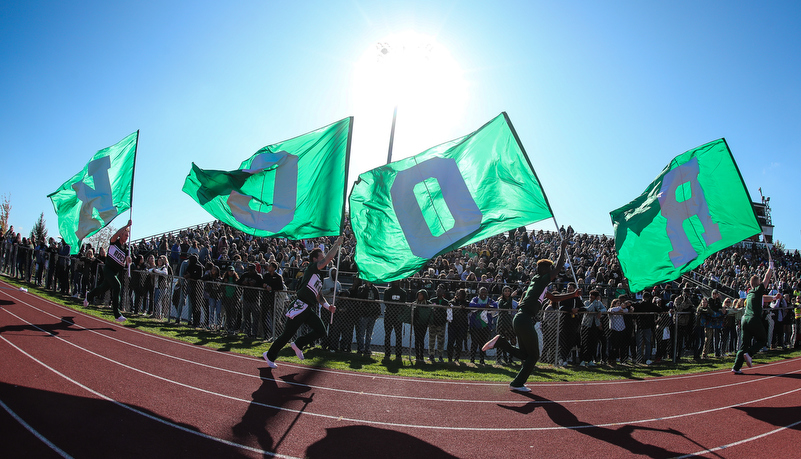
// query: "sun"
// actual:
[[414, 73]]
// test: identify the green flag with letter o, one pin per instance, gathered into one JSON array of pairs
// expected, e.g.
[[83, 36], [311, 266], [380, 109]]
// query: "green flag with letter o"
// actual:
[[451, 195]]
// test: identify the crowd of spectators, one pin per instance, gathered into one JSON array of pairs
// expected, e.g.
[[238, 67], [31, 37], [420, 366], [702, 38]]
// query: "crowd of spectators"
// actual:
[[456, 296]]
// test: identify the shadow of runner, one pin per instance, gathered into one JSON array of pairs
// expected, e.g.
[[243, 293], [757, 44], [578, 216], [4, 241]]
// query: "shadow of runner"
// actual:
[[53, 328], [621, 437], [255, 422], [372, 442], [785, 416]]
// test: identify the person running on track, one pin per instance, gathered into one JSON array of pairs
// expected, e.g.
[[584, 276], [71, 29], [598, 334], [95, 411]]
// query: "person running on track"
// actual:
[[117, 260], [528, 335], [302, 312], [751, 324]]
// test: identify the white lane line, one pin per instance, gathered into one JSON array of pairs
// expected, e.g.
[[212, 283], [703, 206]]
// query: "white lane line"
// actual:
[[406, 397], [36, 433], [394, 424], [743, 441], [139, 412]]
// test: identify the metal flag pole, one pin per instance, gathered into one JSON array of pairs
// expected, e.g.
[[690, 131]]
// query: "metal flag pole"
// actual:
[[130, 209], [334, 298], [575, 279], [392, 134], [342, 219]]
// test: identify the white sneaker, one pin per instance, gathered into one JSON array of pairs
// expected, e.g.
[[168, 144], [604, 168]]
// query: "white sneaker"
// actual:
[[297, 350], [648, 362], [748, 360], [519, 389], [583, 364], [270, 363], [591, 364], [490, 344], [121, 319]]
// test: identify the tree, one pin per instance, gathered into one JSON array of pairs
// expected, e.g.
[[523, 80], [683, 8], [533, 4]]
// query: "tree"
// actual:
[[39, 231], [5, 210], [101, 238], [779, 245]]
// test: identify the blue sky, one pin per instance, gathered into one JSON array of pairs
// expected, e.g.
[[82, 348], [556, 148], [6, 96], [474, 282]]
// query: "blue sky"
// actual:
[[603, 94]]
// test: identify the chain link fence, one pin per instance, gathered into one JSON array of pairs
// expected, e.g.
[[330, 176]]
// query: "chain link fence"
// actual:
[[436, 332]]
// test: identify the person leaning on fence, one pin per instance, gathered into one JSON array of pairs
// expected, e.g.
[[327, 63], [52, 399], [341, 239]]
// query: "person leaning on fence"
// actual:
[[252, 282], [437, 324], [368, 313], [527, 333], [570, 321], [481, 322], [617, 325], [230, 296], [457, 324], [303, 310], [644, 323], [213, 295], [393, 313], [711, 314], [797, 322], [683, 309], [421, 315], [116, 262], [273, 286], [194, 290], [591, 328], [754, 336], [506, 306]]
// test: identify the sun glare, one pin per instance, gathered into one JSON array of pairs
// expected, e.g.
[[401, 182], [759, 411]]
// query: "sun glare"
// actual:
[[419, 76]]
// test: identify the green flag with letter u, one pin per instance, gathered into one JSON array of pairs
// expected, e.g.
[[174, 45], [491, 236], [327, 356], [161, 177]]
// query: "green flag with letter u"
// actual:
[[448, 196], [91, 199], [293, 189], [697, 206]]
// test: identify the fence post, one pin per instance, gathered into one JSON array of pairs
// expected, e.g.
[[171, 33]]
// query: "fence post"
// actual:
[[675, 337], [557, 354]]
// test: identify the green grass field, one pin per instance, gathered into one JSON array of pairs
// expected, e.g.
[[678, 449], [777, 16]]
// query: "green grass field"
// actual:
[[374, 364]]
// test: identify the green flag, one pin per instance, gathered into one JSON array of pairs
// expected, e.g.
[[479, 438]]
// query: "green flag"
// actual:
[[697, 206], [451, 195], [91, 199], [293, 189]]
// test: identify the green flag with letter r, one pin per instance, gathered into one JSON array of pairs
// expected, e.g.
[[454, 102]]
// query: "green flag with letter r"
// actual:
[[697, 206], [293, 189], [91, 199], [451, 195]]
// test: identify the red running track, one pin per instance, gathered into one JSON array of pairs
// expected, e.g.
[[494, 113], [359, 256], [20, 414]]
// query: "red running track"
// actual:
[[73, 385]]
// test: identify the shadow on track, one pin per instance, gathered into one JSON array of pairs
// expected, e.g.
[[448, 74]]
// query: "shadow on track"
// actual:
[[777, 416], [264, 407], [366, 441], [93, 427], [621, 437], [65, 324]]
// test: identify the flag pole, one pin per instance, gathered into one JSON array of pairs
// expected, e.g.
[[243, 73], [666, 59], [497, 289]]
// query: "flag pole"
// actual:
[[392, 134], [528, 161], [130, 209], [566, 252], [342, 219]]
